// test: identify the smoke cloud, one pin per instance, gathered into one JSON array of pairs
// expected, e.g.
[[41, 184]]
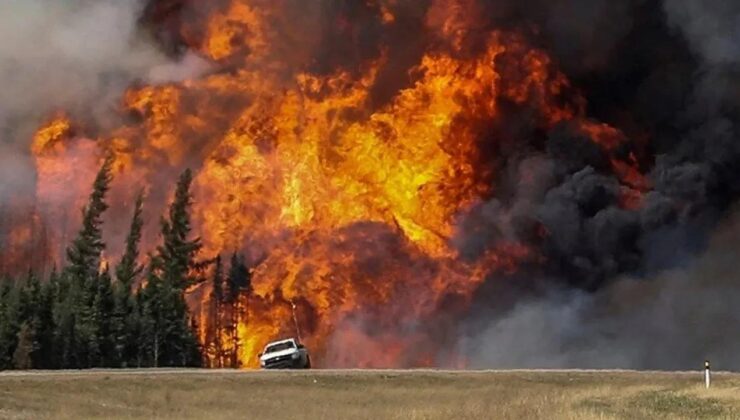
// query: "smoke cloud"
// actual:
[[671, 321], [672, 309], [76, 55], [711, 28]]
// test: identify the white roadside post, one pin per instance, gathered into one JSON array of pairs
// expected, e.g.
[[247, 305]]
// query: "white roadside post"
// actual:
[[707, 374]]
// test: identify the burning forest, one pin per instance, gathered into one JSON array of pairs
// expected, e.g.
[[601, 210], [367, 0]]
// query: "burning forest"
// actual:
[[402, 183]]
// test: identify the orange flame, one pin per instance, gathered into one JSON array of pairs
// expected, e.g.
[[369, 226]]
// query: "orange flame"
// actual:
[[347, 207]]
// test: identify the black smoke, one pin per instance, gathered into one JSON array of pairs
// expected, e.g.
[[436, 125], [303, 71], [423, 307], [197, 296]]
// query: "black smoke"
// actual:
[[623, 287]]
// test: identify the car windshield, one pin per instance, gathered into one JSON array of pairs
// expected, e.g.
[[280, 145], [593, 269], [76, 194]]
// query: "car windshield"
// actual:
[[279, 347]]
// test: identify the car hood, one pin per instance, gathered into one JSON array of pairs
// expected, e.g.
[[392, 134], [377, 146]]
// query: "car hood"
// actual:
[[285, 352]]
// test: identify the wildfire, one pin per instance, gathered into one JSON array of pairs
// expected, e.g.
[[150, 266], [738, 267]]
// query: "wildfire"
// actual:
[[345, 207]]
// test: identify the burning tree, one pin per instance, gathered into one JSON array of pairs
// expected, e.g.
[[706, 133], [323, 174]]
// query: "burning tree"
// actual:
[[226, 309]]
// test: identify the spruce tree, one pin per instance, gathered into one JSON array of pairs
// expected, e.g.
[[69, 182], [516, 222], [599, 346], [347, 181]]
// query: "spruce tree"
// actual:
[[77, 327], [140, 332], [44, 355], [155, 326], [129, 269], [170, 341], [177, 255], [124, 322], [83, 256], [65, 328], [238, 281], [9, 322], [36, 313], [102, 315]]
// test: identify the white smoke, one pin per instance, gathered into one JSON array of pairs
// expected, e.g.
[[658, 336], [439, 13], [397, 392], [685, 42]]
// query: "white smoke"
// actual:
[[712, 27]]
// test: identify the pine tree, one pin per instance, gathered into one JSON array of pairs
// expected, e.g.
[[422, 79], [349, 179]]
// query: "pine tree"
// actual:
[[122, 328], [124, 322], [65, 331], [154, 325], [76, 334], [44, 355], [238, 281], [36, 313], [129, 269], [9, 322], [140, 332], [177, 255], [166, 329], [102, 315], [84, 254], [64, 339]]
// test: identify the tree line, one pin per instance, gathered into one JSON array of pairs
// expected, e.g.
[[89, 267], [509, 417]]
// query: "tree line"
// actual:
[[86, 315]]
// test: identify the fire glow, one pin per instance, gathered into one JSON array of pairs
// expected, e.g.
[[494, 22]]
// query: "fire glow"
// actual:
[[344, 207]]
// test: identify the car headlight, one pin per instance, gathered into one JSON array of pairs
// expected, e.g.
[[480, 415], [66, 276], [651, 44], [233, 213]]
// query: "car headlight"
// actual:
[[296, 355]]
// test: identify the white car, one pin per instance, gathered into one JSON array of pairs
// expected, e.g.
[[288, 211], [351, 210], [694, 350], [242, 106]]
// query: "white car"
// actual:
[[285, 354]]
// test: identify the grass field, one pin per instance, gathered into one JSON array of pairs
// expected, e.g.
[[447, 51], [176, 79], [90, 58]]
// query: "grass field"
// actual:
[[367, 395]]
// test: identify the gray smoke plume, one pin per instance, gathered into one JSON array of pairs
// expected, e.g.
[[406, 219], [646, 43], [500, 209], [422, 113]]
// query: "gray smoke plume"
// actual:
[[712, 27], [671, 321], [76, 55]]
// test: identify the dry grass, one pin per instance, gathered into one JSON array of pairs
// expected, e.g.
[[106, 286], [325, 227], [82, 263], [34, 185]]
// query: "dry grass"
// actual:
[[368, 395]]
